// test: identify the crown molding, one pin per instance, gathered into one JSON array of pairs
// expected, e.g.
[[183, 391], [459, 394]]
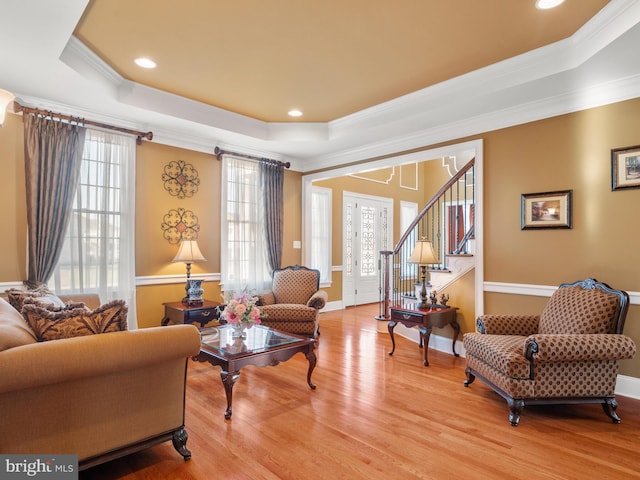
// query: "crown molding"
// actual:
[[610, 23], [517, 90], [581, 99]]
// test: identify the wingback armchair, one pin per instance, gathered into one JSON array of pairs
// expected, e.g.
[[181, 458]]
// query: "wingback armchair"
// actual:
[[294, 302], [569, 354]]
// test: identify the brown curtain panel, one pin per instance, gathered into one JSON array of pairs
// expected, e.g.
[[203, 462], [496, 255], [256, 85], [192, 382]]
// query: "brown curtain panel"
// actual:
[[53, 154], [272, 182]]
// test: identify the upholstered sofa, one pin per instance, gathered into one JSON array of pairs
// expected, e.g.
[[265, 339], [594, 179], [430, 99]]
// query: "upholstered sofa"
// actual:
[[568, 354], [98, 396], [294, 302]]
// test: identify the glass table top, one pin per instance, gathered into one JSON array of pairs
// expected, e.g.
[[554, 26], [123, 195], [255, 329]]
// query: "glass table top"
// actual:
[[258, 338]]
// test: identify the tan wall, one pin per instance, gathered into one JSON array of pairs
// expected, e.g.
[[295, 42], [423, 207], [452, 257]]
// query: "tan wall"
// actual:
[[566, 152], [153, 252], [13, 242]]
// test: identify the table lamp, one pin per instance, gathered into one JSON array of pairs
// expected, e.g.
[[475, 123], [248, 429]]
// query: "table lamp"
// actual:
[[188, 253], [423, 255]]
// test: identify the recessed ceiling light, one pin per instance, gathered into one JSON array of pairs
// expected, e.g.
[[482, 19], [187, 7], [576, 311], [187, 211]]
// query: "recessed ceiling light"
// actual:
[[145, 62], [295, 113], [547, 4]]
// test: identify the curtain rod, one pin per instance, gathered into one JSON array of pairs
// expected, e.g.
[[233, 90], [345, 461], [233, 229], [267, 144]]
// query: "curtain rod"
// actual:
[[219, 153], [17, 108]]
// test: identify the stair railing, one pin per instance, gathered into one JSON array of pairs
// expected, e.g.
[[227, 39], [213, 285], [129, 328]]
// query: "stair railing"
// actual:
[[447, 220]]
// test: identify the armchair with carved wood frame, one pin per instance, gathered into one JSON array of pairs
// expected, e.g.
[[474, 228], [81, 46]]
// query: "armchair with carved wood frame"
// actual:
[[567, 355], [294, 302]]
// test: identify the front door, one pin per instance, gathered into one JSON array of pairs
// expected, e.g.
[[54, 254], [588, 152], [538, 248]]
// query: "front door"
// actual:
[[366, 229]]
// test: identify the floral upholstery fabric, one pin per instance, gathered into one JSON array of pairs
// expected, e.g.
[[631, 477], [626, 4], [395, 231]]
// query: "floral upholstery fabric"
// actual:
[[68, 323], [40, 295]]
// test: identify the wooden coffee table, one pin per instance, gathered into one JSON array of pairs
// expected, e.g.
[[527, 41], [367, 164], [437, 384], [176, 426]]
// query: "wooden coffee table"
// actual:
[[262, 346]]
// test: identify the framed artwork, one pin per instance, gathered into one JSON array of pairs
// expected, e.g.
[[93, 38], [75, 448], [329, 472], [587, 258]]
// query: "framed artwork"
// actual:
[[546, 210], [625, 168]]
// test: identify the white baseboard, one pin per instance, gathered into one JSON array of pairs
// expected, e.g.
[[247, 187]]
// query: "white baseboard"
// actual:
[[436, 342], [332, 306], [628, 386]]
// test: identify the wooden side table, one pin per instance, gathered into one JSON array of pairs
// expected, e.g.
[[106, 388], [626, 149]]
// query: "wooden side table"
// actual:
[[425, 319], [178, 312]]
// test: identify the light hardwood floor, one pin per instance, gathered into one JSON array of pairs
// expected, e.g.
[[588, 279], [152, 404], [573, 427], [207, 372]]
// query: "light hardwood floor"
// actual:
[[379, 417]]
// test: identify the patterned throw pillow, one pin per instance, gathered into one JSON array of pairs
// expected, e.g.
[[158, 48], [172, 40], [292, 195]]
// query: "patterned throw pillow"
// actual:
[[75, 322], [17, 297]]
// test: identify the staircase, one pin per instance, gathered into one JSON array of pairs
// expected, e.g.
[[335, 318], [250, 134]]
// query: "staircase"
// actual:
[[447, 220]]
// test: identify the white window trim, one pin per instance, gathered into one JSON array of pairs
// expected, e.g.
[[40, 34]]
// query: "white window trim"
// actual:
[[325, 276]]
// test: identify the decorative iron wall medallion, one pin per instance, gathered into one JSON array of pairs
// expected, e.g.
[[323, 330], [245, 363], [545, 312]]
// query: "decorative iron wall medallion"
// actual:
[[180, 179], [180, 224]]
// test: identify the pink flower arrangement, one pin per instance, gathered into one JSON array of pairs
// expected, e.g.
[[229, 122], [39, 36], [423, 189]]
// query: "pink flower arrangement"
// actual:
[[242, 310]]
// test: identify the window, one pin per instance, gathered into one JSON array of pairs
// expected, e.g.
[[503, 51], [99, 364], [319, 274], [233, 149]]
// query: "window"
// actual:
[[320, 255], [243, 259], [408, 213], [98, 255]]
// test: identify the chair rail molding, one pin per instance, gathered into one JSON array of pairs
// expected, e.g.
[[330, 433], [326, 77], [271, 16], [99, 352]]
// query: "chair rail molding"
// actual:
[[537, 290], [169, 279]]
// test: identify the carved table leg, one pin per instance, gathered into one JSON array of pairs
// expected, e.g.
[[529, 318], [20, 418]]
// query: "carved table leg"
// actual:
[[425, 334], [456, 332], [311, 357], [179, 440], [228, 379], [391, 326]]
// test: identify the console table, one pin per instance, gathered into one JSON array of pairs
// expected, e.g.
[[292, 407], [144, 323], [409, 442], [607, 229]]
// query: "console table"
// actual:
[[178, 312], [425, 319]]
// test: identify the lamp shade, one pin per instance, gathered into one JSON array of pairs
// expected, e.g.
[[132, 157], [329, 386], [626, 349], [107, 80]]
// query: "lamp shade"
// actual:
[[5, 99], [189, 252], [423, 253]]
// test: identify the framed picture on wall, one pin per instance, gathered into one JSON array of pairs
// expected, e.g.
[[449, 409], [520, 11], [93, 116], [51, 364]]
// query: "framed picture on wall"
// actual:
[[625, 168], [546, 210]]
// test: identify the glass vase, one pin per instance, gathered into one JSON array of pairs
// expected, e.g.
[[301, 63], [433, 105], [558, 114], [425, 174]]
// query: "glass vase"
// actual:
[[239, 330]]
